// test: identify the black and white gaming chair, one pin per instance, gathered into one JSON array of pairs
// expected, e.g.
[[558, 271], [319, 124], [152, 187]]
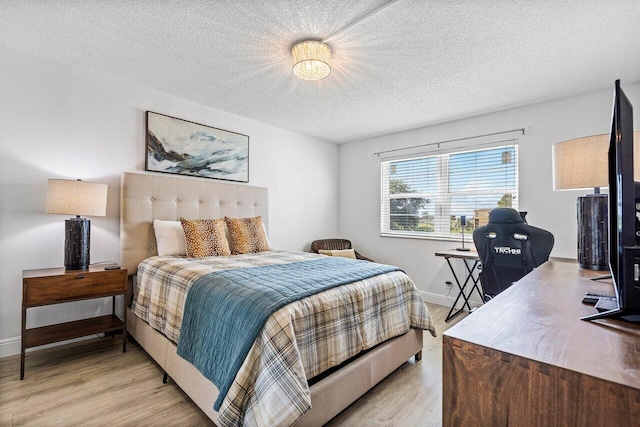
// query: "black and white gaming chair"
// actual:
[[509, 248]]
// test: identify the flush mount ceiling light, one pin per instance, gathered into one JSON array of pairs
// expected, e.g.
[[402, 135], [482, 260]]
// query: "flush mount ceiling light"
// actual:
[[311, 60]]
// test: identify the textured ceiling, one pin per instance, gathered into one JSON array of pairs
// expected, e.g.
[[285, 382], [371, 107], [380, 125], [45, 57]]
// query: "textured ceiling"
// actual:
[[414, 63]]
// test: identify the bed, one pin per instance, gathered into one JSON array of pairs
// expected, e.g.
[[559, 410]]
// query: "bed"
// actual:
[[146, 197]]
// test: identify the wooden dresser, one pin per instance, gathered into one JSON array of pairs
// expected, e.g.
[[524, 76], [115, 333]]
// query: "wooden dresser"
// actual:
[[526, 358]]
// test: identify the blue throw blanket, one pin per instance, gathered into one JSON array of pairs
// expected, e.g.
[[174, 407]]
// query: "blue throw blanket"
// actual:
[[226, 310]]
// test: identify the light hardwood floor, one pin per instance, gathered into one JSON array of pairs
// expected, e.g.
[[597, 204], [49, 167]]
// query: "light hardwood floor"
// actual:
[[92, 383]]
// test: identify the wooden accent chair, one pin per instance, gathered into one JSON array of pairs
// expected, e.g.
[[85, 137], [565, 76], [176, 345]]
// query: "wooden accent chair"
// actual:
[[335, 244]]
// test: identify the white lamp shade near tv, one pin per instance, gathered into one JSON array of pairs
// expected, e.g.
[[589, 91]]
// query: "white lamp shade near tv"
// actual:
[[582, 163]]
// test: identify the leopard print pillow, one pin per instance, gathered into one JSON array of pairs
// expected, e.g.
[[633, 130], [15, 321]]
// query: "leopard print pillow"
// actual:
[[246, 235], [205, 237]]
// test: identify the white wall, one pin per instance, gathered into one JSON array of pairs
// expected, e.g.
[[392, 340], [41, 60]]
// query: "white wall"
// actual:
[[549, 122], [57, 122]]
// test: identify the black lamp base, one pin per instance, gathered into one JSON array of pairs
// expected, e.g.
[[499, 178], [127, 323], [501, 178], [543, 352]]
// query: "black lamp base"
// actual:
[[593, 220], [76, 245]]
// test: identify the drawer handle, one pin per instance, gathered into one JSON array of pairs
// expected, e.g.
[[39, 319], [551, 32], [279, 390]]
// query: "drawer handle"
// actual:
[[79, 276]]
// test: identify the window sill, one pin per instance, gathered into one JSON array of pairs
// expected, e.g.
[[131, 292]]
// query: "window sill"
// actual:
[[467, 239]]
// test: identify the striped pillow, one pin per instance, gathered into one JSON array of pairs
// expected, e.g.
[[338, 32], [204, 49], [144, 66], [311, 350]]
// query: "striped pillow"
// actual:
[[247, 235], [205, 237], [345, 253]]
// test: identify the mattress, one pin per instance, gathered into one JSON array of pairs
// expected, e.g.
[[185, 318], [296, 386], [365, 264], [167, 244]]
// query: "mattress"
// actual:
[[298, 342]]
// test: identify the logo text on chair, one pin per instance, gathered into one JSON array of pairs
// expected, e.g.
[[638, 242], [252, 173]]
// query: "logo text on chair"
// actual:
[[506, 250]]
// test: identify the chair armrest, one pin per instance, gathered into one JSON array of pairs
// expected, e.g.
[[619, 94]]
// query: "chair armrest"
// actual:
[[362, 257]]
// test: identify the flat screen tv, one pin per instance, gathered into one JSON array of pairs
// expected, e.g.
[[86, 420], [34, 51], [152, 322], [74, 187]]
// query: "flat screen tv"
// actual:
[[624, 214]]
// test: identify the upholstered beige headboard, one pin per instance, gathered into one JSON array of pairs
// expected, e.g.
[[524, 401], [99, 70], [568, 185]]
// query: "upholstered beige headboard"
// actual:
[[145, 197]]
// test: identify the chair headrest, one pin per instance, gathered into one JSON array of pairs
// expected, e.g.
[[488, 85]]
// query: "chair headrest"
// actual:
[[505, 216]]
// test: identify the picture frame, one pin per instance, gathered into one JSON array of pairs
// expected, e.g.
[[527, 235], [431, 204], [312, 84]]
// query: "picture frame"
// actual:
[[182, 147]]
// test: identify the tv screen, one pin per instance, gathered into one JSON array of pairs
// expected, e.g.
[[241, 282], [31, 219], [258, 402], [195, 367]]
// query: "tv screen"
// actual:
[[624, 212]]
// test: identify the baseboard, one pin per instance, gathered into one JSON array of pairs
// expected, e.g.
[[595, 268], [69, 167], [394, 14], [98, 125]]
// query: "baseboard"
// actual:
[[445, 300], [11, 346]]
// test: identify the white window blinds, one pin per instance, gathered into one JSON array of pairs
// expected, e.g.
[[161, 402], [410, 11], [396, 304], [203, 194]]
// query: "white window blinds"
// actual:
[[426, 196]]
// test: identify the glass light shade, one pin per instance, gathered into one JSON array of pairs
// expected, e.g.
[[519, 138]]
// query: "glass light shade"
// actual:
[[583, 162], [311, 60], [76, 197]]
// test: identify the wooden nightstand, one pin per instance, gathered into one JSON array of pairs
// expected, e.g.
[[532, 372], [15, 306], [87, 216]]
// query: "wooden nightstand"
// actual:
[[57, 285]]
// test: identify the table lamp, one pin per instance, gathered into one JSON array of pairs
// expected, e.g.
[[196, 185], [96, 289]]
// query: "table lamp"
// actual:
[[581, 163], [76, 198], [463, 223]]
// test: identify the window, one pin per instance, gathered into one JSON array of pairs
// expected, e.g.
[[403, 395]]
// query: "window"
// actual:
[[426, 196]]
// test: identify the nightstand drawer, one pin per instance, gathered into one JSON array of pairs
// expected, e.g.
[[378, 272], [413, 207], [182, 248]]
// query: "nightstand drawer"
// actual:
[[73, 286]]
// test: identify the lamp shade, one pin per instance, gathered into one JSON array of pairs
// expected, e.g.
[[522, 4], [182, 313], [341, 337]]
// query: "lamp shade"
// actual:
[[76, 197], [311, 60], [583, 162]]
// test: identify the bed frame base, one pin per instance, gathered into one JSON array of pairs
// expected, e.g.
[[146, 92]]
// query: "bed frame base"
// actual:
[[329, 397]]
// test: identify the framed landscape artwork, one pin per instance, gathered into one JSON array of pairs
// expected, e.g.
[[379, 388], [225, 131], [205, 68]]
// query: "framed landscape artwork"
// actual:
[[186, 148]]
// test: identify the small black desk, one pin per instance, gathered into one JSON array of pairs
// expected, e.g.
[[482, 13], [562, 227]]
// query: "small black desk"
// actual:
[[466, 258]]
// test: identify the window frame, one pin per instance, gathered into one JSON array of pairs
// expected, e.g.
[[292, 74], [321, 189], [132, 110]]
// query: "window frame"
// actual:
[[442, 204]]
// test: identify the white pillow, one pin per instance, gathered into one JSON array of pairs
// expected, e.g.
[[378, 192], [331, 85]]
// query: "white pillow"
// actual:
[[169, 237]]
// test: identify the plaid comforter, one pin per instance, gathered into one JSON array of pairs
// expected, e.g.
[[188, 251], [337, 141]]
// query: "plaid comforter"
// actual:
[[299, 341]]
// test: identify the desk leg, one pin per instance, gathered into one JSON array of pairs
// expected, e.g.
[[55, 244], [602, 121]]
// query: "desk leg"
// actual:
[[451, 314], [475, 280], [462, 288]]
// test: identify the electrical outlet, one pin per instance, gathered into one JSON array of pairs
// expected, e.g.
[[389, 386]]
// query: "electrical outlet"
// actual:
[[449, 283]]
